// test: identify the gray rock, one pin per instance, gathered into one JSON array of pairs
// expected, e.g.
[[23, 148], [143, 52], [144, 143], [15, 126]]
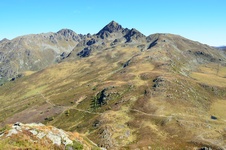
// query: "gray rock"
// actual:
[[54, 138], [41, 135], [85, 52], [34, 132], [205, 148], [64, 136], [2, 134], [11, 132], [110, 28]]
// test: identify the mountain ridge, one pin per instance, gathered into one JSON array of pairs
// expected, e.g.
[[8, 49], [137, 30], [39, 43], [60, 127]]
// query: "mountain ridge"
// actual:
[[35, 51], [161, 91], [111, 27], [38, 51]]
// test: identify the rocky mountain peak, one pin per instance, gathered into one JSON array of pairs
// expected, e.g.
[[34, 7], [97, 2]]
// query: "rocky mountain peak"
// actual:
[[134, 34], [69, 34], [134, 31], [66, 32], [3, 40], [111, 27]]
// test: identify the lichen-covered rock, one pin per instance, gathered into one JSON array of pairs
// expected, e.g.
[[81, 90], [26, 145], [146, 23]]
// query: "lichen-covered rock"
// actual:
[[50, 137]]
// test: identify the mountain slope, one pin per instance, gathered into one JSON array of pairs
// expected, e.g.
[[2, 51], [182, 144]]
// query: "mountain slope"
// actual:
[[162, 91], [111, 35], [34, 52]]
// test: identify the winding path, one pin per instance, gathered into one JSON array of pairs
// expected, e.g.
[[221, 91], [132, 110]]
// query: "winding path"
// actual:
[[47, 100], [144, 113]]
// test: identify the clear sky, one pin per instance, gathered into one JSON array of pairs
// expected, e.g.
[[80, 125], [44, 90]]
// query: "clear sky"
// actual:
[[199, 20]]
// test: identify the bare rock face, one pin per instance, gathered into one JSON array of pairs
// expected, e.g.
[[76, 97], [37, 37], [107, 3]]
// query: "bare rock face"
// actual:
[[134, 34], [85, 52], [110, 28]]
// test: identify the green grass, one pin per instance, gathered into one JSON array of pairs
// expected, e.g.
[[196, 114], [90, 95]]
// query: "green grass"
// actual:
[[75, 146], [71, 86]]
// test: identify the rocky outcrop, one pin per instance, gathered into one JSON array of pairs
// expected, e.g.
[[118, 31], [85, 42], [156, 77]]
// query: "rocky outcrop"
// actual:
[[105, 137], [44, 136], [134, 35], [85, 52]]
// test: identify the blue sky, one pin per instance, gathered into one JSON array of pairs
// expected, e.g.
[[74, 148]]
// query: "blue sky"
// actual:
[[199, 20]]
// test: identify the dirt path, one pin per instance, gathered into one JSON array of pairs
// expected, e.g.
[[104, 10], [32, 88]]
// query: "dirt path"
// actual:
[[89, 112], [47, 100], [144, 113], [72, 107]]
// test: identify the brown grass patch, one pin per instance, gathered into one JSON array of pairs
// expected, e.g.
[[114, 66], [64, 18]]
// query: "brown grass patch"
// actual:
[[209, 79]]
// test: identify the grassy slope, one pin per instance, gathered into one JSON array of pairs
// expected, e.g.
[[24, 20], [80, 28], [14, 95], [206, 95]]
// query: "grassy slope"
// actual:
[[173, 112]]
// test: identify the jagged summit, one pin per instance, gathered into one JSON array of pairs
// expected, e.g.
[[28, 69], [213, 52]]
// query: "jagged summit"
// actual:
[[70, 34], [134, 34], [3, 40], [66, 32], [115, 29], [111, 27], [112, 34]]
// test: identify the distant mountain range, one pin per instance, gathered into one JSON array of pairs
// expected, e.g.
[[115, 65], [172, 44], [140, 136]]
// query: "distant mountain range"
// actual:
[[118, 87], [37, 51], [221, 47]]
